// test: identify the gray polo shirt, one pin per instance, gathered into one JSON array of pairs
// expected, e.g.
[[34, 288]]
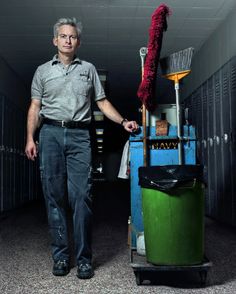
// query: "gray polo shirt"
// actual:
[[66, 91]]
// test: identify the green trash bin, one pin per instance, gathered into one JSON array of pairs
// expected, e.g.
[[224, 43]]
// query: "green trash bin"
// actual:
[[173, 214]]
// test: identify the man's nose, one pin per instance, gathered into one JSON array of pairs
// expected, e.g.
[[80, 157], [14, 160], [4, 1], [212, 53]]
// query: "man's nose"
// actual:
[[68, 39]]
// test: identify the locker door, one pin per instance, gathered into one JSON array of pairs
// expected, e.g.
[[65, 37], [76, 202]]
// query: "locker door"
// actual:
[[21, 166], [199, 123], [233, 134], [1, 150], [194, 108], [217, 149], [211, 168], [10, 131], [226, 180], [6, 160], [13, 154], [204, 149], [17, 159]]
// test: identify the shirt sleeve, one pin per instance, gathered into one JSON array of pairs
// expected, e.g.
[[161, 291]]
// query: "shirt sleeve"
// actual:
[[99, 92], [36, 86]]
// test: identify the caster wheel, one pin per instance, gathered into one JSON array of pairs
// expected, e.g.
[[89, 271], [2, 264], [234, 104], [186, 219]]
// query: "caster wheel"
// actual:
[[203, 277], [138, 278]]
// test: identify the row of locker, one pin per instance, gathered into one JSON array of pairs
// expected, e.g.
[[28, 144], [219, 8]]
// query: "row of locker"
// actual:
[[212, 108], [19, 178]]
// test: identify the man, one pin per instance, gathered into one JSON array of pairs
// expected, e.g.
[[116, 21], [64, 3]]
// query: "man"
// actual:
[[62, 90]]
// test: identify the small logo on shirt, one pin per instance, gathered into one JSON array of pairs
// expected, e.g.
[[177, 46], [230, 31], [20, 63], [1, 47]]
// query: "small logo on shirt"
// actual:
[[84, 75]]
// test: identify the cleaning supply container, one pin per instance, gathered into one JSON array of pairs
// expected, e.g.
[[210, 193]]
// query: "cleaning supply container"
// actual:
[[173, 214]]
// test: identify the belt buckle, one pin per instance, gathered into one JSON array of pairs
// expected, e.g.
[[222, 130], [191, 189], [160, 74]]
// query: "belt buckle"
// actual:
[[63, 124]]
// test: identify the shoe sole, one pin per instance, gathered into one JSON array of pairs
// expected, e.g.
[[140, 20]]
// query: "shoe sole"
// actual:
[[84, 277], [60, 273]]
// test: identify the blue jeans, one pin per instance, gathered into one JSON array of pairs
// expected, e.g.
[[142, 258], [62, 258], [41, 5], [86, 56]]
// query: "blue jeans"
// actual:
[[65, 167]]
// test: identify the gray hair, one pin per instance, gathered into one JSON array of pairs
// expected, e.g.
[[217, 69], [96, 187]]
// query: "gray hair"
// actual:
[[67, 21]]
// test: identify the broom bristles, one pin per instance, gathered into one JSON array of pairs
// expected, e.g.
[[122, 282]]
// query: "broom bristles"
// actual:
[[177, 62]]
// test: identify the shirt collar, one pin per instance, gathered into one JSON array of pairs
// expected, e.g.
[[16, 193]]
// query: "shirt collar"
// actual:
[[56, 60]]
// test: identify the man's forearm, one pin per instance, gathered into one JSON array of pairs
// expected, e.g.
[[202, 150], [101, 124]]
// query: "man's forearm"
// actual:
[[32, 122], [109, 110]]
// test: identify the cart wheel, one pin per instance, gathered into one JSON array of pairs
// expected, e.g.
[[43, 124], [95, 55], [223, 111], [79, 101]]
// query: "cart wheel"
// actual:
[[203, 277], [138, 278]]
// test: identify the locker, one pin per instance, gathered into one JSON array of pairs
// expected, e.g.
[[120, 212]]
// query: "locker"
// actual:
[[198, 112], [203, 145], [233, 134], [198, 120], [225, 146], [210, 148], [1, 150], [219, 197]]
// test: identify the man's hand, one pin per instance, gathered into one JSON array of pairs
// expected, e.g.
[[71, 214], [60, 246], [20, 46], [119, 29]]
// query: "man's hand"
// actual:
[[31, 150], [32, 124], [130, 126]]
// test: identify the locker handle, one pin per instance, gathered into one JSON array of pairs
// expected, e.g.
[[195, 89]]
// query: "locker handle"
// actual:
[[217, 139], [226, 138], [204, 143], [210, 140]]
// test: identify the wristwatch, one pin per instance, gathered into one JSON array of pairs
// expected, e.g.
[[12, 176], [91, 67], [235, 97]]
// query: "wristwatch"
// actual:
[[123, 120]]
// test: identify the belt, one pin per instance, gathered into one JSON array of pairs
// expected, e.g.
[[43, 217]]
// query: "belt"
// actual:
[[65, 124]]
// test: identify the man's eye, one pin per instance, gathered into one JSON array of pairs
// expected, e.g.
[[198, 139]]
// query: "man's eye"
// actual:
[[62, 36]]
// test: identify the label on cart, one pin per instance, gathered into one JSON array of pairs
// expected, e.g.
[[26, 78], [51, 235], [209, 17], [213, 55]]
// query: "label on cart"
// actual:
[[165, 144]]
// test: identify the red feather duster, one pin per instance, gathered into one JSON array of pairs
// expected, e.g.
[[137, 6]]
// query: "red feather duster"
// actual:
[[158, 25]]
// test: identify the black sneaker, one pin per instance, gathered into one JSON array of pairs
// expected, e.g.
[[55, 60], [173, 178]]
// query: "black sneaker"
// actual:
[[60, 268], [85, 271]]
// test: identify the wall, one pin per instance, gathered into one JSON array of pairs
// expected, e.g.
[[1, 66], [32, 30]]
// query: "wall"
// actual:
[[12, 86], [219, 48]]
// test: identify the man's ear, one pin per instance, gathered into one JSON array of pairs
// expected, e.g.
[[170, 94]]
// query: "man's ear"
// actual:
[[54, 40]]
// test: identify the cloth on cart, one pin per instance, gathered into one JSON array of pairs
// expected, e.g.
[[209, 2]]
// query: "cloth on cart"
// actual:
[[124, 165]]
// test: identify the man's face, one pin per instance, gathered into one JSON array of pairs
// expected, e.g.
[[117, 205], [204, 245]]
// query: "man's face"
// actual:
[[67, 40]]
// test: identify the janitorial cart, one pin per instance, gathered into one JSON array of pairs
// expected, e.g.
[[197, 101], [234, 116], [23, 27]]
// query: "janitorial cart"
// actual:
[[167, 189]]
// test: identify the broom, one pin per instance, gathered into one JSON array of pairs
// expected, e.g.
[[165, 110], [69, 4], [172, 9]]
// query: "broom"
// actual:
[[175, 67]]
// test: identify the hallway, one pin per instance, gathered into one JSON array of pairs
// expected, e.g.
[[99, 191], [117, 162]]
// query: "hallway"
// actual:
[[26, 263]]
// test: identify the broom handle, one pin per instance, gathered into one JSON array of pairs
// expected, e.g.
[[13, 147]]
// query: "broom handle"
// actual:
[[143, 52], [176, 77], [178, 114], [144, 123]]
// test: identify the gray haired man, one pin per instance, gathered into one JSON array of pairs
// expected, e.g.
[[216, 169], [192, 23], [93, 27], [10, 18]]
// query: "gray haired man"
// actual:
[[62, 92]]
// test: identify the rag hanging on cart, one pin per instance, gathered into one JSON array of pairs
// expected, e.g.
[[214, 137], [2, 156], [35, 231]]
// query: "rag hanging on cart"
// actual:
[[147, 86], [149, 68]]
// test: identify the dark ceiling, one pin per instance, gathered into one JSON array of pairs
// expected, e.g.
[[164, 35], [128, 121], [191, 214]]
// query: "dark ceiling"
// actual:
[[113, 33]]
